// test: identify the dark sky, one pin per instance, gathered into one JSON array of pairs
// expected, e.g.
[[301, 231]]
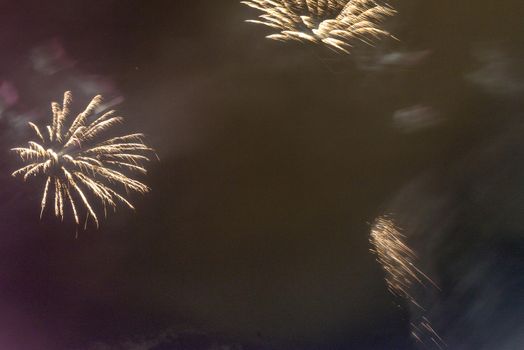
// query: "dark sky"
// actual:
[[274, 159]]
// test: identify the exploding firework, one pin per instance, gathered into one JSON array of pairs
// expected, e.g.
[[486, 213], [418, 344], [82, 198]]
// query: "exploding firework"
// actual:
[[396, 258], [79, 165], [398, 261], [334, 23]]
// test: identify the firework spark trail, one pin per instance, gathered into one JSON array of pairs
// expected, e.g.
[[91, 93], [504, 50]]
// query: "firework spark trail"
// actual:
[[77, 162], [425, 334], [398, 261], [334, 23]]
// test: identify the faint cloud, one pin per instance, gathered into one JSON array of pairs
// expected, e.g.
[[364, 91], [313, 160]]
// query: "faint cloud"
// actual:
[[377, 61], [416, 118], [8, 95], [50, 57], [497, 74]]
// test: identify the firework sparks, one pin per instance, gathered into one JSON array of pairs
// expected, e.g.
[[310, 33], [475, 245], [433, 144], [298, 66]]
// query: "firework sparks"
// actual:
[[423, 332], [398, 261], [334, 23], [79, 165]]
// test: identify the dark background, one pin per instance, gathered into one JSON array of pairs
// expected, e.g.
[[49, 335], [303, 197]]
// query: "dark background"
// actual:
[[274, 159]]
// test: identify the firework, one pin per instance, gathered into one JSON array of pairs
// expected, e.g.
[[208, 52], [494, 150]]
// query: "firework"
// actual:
[[398, 261], [424, 333], [334, 23], [79, 165], [396, 258]]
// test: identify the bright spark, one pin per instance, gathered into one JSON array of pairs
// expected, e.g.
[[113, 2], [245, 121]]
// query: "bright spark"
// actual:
[[334, 23], [79, 165]]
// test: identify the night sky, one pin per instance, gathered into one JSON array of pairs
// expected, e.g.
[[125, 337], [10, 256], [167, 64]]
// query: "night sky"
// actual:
[[275, 158]]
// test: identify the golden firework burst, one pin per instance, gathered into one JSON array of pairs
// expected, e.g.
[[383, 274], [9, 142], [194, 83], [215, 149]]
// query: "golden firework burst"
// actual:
[[398, 261], [79, 165], [334, 23]]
